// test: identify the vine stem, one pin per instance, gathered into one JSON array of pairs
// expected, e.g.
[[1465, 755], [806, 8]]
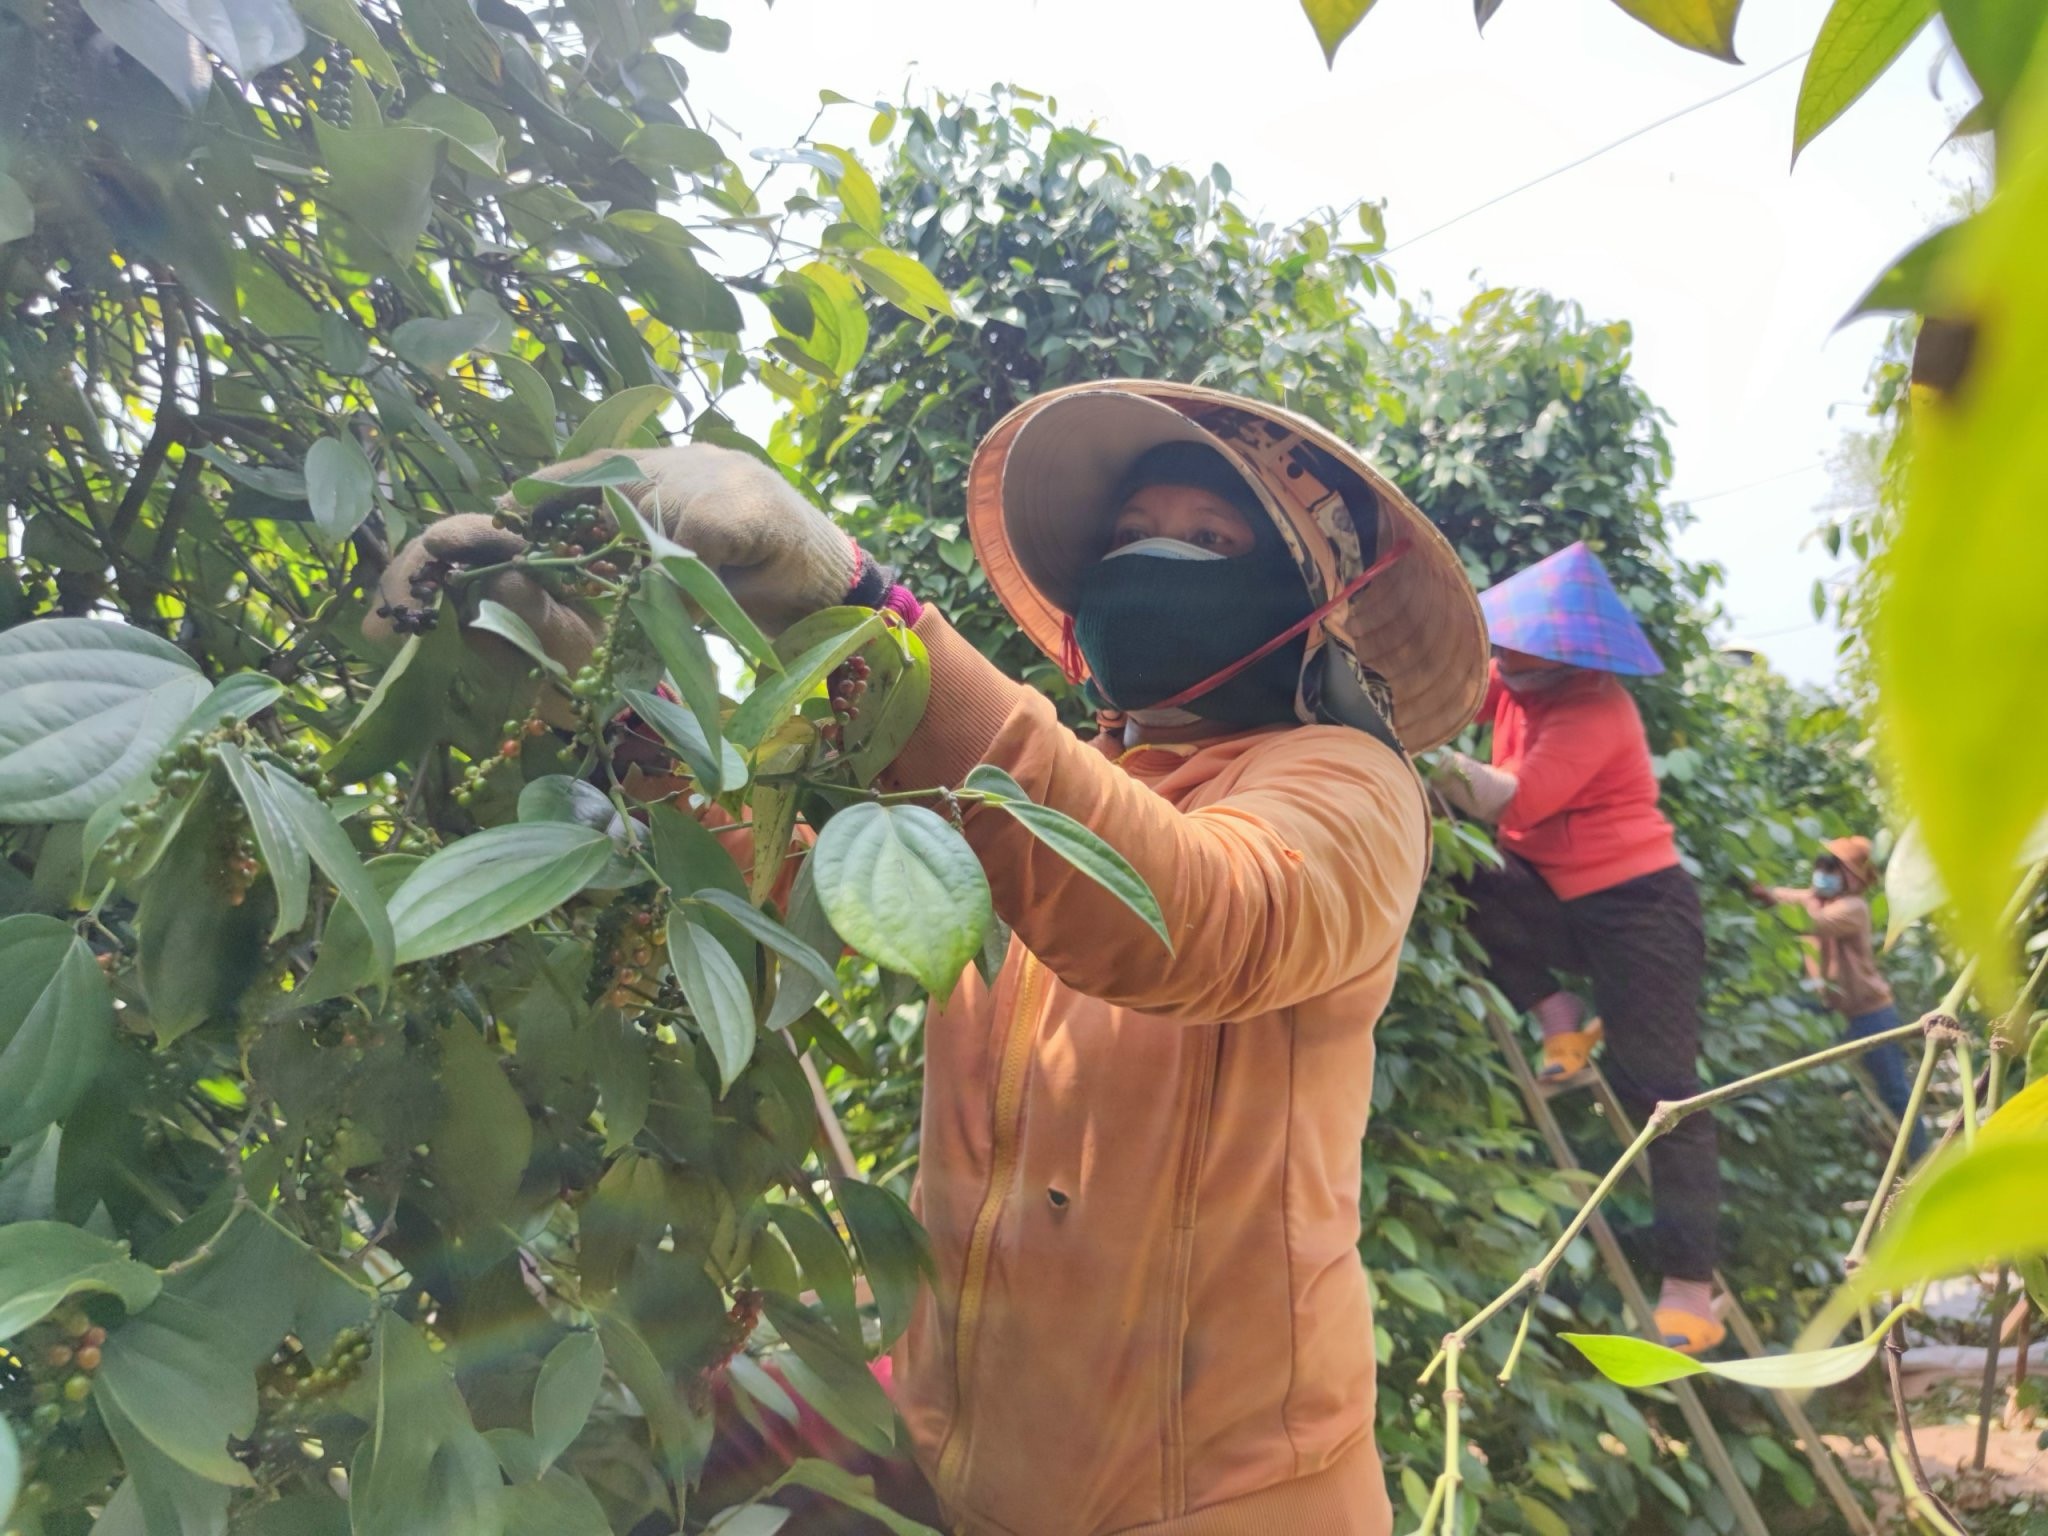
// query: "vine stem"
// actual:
[[1662, 1119], [1454, 1398]]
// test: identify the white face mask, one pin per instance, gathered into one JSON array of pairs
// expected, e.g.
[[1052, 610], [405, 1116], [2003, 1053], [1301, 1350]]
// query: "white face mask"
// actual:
[[1165, 549]]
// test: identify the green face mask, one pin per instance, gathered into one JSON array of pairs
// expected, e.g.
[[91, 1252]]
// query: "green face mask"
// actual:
[[1157, 617]]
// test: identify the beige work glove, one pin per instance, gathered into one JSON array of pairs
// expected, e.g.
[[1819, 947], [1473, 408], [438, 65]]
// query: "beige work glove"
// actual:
[[1480, 791], [780, 557]]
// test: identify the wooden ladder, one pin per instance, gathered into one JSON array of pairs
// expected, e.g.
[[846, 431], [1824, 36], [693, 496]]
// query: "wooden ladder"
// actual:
[[1713, 1451]]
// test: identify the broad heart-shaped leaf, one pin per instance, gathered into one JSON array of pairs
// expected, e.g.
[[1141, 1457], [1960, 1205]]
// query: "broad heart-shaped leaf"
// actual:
[[171, 1372], [1075, 843], [688, 856], [697, 580], [679, 1435], [1705, 26], [716, 764], [316, 830], [1639, 1363], [198, 949], [616, 419], [422, 1470], [158, 1494], [565, 1393], [42, 1262], [56, 1023], [856, 1493], [555, 1505], [238, 697], [284, 856], [491, 882], [810, 650], [483, 1139], [775, 936], [1964, 731], [822, 1256], [84, 708], [903, 888], [339, 481], [716, 992], [831, 1374], [1334, 20], [497, 619], [612, 469], [662, 614], [1857, 43], [894, 1251], [904, 281]]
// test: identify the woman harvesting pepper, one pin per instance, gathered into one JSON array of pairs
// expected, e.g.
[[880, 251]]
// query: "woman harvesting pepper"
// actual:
[[1140, 1164]]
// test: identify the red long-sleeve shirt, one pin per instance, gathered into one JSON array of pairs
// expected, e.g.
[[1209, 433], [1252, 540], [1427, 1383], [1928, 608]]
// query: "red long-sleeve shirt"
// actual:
[[1584, 811]]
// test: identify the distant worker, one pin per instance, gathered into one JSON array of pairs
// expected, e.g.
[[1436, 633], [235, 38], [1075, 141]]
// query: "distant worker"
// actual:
[[1591, 886], [1839, 956]]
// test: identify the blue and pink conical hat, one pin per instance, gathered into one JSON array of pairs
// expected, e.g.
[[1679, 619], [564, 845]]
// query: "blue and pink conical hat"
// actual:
[[1563, 608]]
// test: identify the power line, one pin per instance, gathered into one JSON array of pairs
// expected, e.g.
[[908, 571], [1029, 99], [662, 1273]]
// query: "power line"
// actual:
[[1586, 159], [1750, 485]]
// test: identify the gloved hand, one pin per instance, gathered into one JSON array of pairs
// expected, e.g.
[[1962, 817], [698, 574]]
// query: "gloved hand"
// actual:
[[1473, 787], [780, 557]]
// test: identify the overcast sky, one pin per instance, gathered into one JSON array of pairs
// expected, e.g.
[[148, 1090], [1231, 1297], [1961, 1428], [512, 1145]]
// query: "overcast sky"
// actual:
[[1732, 267]]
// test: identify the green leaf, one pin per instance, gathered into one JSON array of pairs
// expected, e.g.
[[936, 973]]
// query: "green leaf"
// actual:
[[495, 618], [810, 649], [716, 764], [44, 1262], [700, 582], [531, 393], [561, 797], [895, 1254], [436, 345], [616, 419], [1075, 843], [285, 859], [17, 219], [1334, 20], [198, 949], [1970, 1210], [2025, 1113], [422, 1470], [1639, 1363], [557, 1505], [716, 992], [548, 484], [1858, 42], [658, 605], [484, 1138], [677, 1432], [1962, 596], [833, 1376], [406, 710], [1902, 288], [339, 481], [142, 31], [357, 948], [170, 1371], [344, 21], [382, 180], [491, 882], [1995, 39], [249, 35], [1415, 1287], [899, 688], [856, 1493], [858, 194], [238, 697], [620, 1068], [903, 888], [904, 281], [84, 708], [56, 1024], [776, 937], [826, 1268], [565, 1393], [1705, 26], [658, 147], [475, 145], [689, 857]]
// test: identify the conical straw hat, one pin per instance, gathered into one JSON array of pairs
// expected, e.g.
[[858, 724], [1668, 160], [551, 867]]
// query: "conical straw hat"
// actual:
[[1038, 511]]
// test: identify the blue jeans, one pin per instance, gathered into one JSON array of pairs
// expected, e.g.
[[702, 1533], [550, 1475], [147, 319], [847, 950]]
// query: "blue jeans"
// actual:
[[1886, 1065]]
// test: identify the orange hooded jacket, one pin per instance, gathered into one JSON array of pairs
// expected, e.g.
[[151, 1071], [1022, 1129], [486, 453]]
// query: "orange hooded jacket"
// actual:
[[1140, 1168]]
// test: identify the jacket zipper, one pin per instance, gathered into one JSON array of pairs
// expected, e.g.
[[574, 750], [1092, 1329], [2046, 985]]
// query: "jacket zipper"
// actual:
[[1203, 1072], [1016, 1059]]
